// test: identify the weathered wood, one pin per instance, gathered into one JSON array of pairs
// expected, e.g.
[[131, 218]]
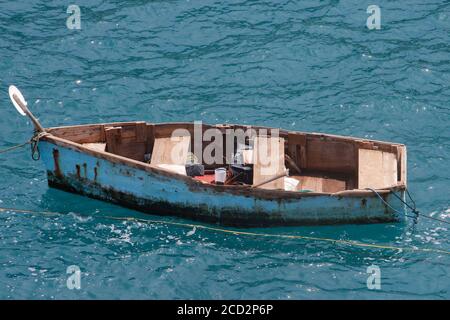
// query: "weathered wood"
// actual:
[[325, 153], [389, 169], [141, 131], [401, 161], [171, 150], [124, 141], [319, 183], [97, 146], [377, 169], [113, 137], [328, 155], [274, 178], [80, 134], [297, 148], [150, 138], [268, 157]]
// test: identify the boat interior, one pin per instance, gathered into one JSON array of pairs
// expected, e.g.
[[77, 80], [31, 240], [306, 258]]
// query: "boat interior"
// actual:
[[302, 162]]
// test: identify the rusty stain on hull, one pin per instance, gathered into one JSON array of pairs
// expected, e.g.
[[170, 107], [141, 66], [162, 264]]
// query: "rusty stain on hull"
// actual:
[[78, 171], [85, 169], [231, 216], [56, 162], [154, 193]]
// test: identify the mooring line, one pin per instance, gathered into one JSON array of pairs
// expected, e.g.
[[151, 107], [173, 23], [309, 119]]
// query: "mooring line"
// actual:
[[17, 146], [247, 233], [413, 208], [34, 141]]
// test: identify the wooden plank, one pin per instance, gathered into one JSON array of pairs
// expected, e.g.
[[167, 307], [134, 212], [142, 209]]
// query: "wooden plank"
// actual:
[[141, 131], [401, 166], [370, 171], [320, 184], [129, 132], [125, 145], [102, 134], [377, 169], [96, 146], [297, 148], [213, 147], [150, 138], [165, 130], [311, 183], [389, 169], [171, 150], [268, 158], [85, 134], [404, 171], [133, 150], [113, 137], [330, 156], [333, 185], [303, 159]]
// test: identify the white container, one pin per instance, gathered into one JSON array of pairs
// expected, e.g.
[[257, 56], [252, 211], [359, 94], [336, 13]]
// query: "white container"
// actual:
[[220, 174], [290, 184]]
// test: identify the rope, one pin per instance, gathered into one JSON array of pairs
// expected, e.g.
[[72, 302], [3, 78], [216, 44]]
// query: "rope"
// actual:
[[34, 141], [388, 205], [413, 208], [415, 211], [252, 234], [35, 153], [14, 147]]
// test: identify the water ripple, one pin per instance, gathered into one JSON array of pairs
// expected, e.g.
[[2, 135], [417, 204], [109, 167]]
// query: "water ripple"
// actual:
[[299, 65]]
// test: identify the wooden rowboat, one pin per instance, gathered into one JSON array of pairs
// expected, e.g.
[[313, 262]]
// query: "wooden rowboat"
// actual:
[[337, 179]]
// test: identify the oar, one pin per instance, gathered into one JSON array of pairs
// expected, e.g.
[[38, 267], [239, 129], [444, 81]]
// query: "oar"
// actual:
[[21, 106], [292, 163]]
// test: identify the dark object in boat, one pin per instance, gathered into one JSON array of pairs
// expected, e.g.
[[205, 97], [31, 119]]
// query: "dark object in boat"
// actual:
[[242, 173], [195, 170]]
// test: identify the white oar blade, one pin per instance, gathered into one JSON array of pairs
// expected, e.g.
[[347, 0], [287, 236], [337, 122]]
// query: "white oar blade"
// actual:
[[14, 91]]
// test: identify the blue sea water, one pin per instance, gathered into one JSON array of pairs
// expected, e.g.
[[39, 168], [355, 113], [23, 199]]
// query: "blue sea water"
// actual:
[[300, 65]]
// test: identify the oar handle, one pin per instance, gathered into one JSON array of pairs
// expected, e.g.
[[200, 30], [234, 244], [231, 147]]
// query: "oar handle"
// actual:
[[35, 121]]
